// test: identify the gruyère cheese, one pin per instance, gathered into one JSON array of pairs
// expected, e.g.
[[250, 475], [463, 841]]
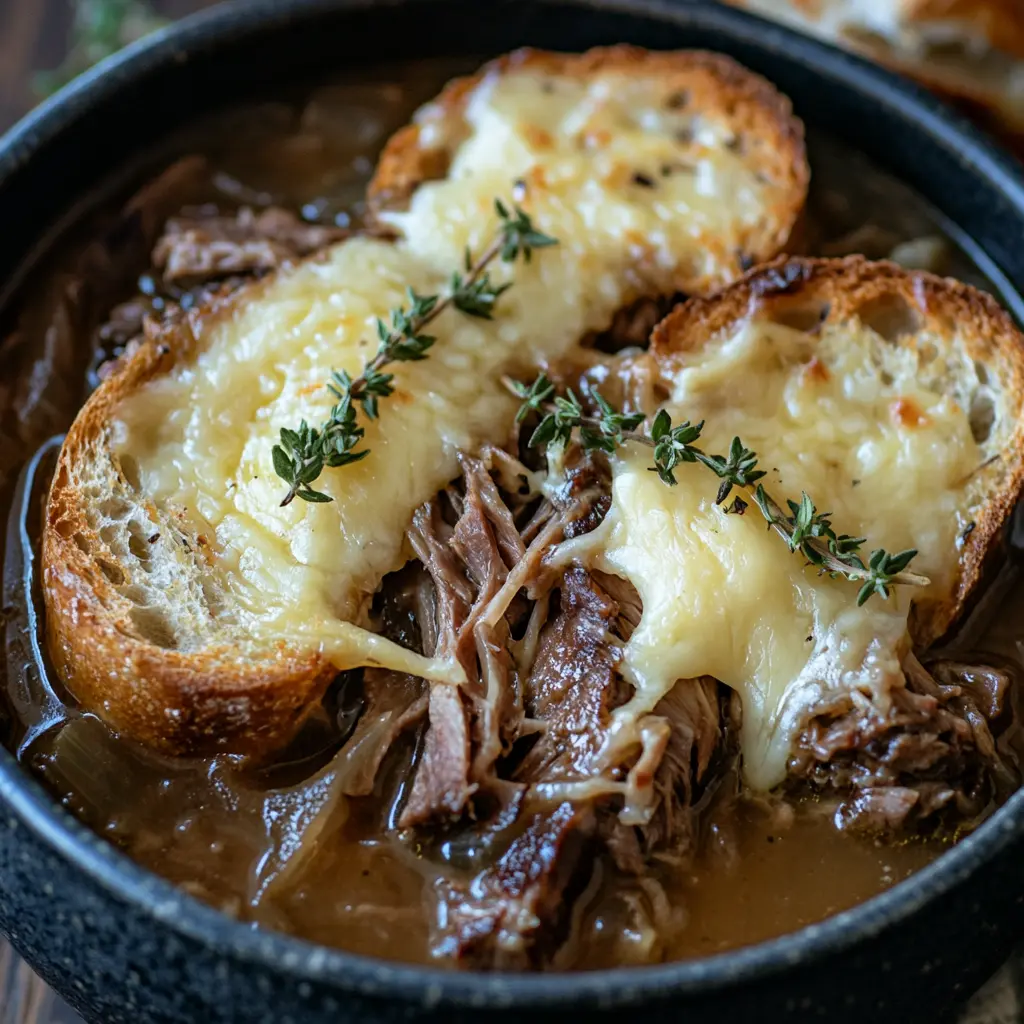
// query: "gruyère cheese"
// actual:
[[722, 594], [961, 50], [200, 438]]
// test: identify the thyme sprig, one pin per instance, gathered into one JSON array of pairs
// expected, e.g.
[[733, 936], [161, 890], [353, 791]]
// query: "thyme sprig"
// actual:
[[809, 531], [803, 527], [606, 433], [303, 454]]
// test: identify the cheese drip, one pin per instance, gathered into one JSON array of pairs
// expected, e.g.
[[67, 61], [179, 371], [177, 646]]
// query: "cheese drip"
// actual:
[[722, 594], [200, 439]]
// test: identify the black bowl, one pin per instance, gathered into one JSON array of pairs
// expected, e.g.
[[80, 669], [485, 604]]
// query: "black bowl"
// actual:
[[121, 944]]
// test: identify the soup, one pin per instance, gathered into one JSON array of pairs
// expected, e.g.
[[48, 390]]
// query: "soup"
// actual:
[[315, 842]]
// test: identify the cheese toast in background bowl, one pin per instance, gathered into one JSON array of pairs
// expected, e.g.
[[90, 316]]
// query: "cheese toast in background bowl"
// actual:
[[971, 52], [488, 567]]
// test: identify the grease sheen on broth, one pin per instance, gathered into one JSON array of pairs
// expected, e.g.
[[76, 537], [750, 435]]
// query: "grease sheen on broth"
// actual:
[[213, 827]]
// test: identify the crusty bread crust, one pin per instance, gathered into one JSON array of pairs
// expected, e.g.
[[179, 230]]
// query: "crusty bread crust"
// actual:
[[177, 703], [753, 107], [960, 315], [219, 699], [1001, 22], [983, 83]]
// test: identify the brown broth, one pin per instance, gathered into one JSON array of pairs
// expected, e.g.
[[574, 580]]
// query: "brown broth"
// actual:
[[780, 879], [230, 837]]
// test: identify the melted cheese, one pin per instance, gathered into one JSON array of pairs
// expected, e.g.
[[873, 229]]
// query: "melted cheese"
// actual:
[[201, 438], [963, 51], [635, 190], [722, 595]]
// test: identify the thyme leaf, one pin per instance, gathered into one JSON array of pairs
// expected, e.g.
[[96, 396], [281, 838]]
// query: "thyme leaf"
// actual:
[[303, 454], [803, 527], [519, 236], [673, 445], [533, 395]]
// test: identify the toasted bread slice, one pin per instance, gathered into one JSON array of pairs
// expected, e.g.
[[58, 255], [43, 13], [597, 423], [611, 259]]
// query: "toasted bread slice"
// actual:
[[933, 335], [647, 122], [970, 51], [191, 611], [895, 401]]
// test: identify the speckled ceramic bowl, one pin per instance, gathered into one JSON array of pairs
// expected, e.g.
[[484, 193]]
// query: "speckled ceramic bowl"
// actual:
[[122, 945]]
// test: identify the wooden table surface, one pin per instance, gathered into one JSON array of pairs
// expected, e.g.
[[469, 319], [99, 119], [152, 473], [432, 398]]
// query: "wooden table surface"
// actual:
[[34, 36]]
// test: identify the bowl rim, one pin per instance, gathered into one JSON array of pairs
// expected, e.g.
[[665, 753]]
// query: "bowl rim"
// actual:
[[31, 807]]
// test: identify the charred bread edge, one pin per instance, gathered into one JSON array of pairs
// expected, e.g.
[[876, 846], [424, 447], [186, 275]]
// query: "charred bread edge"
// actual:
[[138, 684], [989, 336], [751, 102]]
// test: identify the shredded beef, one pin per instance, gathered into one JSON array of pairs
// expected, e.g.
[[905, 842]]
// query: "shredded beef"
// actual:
[[201, 244], [572, 689], [930, 756], [516, 908], [587, 489], [692, 710], [880, 809], [574, 683], [516, 913], [199, 254], [473, 725], [441, 786], [488, 542], [627, 600]]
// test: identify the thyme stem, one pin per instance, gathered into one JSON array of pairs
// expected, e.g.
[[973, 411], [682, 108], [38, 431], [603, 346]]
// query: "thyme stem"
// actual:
[[358, 387], [303, 453], [803, 528]]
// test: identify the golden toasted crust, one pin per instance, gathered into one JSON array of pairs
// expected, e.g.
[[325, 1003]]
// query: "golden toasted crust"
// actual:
[[216, 698], [177, 704], [711, 82], [181, 704], [1000, 22], [953, 312], [959, 67]]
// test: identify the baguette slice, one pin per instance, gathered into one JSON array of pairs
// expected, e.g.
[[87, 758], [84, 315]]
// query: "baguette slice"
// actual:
[[969, 51], [922, 331], [645, 119], [189, 610], [895, 401]]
